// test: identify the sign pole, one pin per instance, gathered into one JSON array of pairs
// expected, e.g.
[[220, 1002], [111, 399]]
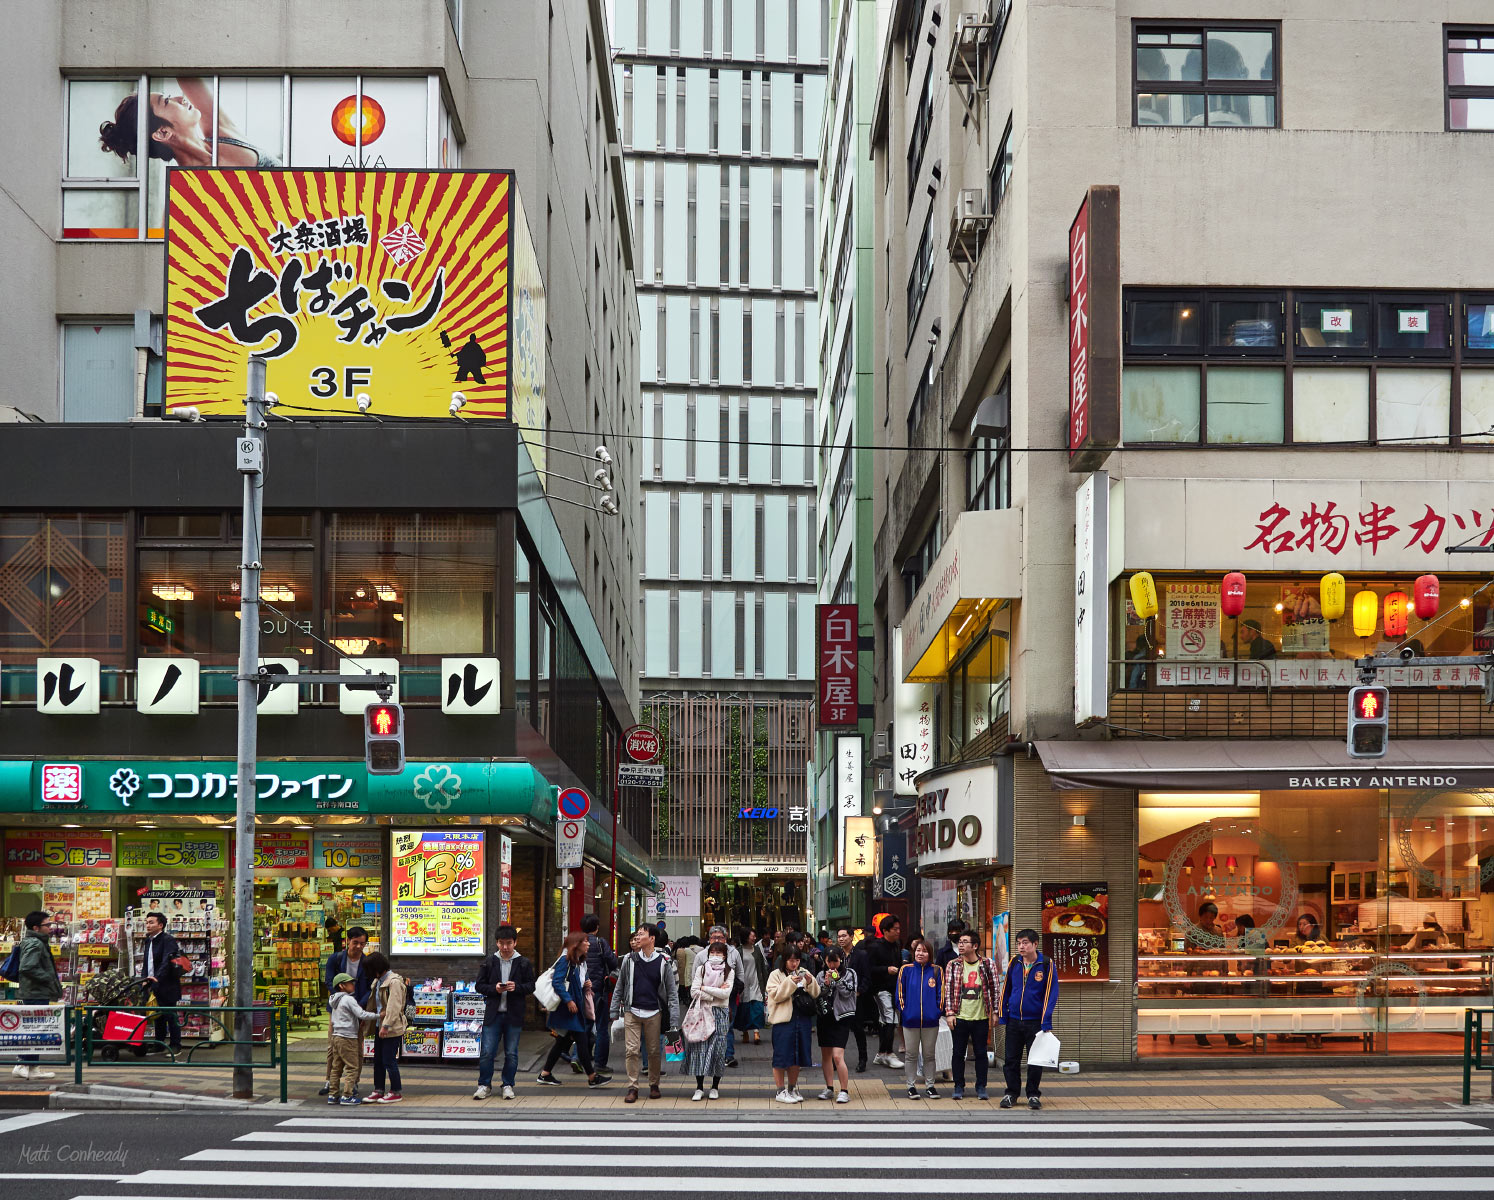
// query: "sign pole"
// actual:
[[251, 465], [612, 898]]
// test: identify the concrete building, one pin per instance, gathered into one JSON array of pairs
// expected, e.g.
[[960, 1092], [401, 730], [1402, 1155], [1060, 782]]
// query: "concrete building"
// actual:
[[721, 110], [1150, 316], [415, 538]]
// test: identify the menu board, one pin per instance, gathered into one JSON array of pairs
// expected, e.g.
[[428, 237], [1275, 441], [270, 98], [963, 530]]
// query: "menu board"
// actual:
[[1076, 929], [436, 878]]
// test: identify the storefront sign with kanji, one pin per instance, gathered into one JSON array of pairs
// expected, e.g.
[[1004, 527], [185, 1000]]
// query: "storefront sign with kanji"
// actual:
[[836, 665]]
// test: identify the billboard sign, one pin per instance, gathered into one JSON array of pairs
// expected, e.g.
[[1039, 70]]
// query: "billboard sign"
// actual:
[[1094, 332], [837, 662], [394, 285]]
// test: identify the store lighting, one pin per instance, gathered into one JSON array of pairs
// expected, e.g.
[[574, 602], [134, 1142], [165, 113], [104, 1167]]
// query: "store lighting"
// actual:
[[360, 593], [172, 591], [1280, 606], [386, 593], [65, 826], [282, 595], [399, 617], [351, 645], [1465, 602]]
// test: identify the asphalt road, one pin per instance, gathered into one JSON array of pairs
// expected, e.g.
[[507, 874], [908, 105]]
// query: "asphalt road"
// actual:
[[379, 1152]]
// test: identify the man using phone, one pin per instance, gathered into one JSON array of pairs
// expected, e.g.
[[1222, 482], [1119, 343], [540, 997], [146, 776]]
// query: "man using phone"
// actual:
[[505, 979]]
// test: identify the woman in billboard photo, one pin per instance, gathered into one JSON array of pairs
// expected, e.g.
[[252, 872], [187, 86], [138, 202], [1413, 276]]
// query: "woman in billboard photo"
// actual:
[[182, 127]]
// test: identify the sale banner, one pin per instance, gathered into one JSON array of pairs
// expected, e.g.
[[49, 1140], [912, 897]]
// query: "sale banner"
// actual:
[[29, 848], [285, 849], [1076, 929], [437, 882]]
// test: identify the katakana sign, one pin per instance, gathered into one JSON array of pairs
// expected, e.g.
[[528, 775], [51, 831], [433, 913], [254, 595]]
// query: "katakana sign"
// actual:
[[393, 284]]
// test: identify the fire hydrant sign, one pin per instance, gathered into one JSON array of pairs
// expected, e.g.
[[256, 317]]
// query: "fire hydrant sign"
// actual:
[[1192, 620], [437, 883]]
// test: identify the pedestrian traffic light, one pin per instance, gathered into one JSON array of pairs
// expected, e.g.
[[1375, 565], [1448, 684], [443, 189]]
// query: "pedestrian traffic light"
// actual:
[[1369, 722], [384, 738]]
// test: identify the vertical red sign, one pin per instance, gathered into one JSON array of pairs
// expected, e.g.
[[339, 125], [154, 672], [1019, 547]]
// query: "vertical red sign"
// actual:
[[835, 665], [1094, 329], [1079, 316]]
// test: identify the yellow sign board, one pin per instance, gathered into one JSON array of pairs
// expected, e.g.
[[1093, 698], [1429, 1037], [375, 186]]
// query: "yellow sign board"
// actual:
[[392, 286]]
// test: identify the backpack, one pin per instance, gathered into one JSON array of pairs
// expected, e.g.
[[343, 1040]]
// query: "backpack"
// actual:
[[11, 968]]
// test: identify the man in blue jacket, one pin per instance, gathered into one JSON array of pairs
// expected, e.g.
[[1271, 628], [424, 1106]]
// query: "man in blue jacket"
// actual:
[[1028, 996]]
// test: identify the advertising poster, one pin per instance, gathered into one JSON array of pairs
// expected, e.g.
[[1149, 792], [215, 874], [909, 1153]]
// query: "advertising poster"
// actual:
[[27, 849], [177, 903], [151, 849], [1303, 629], [390, 284], [505, 878], [1001, 942], [91, 897], [1076, 929], [437, 882], [1192, 620], [57, 897], [32, 1026], [681, 896], [283, 849], [347, 852]]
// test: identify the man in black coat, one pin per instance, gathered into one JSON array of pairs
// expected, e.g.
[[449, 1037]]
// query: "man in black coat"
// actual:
[[506, 981], [163, 978], [884, 959]]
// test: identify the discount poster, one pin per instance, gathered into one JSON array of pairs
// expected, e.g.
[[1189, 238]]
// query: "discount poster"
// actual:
[[1076, 929], [437, 884]]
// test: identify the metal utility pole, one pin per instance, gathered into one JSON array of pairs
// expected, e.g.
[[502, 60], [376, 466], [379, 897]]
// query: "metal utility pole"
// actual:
[[251, 462]]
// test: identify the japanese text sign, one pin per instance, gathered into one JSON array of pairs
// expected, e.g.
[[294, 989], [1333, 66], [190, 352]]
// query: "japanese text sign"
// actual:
[[861, 845], [1193, 620], [1094, 329], [836, 665], [848, 779], [912, 725], [391, 283], [1076, 929], [436, 879], [170, 848], [27, 849]]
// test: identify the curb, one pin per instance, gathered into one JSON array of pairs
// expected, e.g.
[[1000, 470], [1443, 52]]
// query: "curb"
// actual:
[[106, 1096]]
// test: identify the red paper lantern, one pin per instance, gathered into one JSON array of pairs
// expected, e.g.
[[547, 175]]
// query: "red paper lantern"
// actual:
[[1232, 597], [1427, 592], [1396, 613]]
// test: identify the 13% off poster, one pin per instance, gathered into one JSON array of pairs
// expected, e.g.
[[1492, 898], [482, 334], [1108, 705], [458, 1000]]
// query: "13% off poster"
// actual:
[[437, 884]]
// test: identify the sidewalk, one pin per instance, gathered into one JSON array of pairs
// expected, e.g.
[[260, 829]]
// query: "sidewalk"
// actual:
[[1321, 1087]]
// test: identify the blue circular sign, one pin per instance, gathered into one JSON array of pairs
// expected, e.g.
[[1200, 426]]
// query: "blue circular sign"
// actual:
[[574, 803]]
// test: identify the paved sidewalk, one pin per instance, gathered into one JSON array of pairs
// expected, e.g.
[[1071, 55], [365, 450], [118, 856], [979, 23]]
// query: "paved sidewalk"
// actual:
[[1322, 1087]]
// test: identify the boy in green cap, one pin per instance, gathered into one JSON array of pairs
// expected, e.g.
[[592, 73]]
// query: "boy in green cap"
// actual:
[[347, 1041]]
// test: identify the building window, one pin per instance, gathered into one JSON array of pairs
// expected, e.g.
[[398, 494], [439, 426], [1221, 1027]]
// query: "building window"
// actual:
[[1221, 75], [918, 136], [917, 567], [922, 272], [922, 390], [1470, 78], [1001, 170], [62, 589]]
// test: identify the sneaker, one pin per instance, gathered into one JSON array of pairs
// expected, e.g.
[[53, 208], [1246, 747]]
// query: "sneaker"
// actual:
[[333, 1100], [783, 1097], [508, 1092], [350, 1100], [21, 1071], [932, 1093], [714, 1094], [40, 1073], [825, 1094], [794, 1097], [1034, 1103], [699, 1095], [483, 1092], [843, 1098], [894, 1062], [912, 1092], [957, 1094], [324, 1089], [390, 1098], [982, 1094], [879, 1060], [547, 1080], [731, 1062], [576, 1068], [597, 1081], [373, 1097]]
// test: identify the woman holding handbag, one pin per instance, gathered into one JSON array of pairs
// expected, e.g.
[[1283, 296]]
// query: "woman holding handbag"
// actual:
[[576, 1008], [837, 1013], [791, 994], [706, 1024]]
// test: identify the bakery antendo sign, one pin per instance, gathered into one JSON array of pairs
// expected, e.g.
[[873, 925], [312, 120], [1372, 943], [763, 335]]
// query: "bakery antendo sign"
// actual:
[[956, 819]]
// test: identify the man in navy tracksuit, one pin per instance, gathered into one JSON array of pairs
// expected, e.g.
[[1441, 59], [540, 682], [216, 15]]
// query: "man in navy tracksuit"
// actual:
[[1029, 994]]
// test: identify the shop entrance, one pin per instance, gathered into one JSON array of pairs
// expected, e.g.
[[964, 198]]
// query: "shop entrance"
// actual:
[[764, 902]]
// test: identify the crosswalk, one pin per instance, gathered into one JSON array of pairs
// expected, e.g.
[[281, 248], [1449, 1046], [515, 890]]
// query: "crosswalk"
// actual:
[[430, 1155]]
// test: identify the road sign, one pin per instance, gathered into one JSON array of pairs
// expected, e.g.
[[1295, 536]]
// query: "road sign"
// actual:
[[638, 774], [641, 744], [573, 803], [570, 841]]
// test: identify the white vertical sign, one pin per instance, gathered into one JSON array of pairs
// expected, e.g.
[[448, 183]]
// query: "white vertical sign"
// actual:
[[847, 788], [912, 725], [1091, 594]]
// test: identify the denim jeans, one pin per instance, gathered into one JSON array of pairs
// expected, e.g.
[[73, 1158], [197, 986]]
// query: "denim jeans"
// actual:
[[508, 1033], [731, 1030], [602, 1039], [386, 1063]]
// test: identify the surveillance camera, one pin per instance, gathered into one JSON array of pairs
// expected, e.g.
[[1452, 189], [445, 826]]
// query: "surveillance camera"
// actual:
[[365, 402], [457, 401], [603, 456]]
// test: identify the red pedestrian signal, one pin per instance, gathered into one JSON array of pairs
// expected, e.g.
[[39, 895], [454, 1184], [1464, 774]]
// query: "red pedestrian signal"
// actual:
[[1369, 704], [1369, 722], [384, 738]]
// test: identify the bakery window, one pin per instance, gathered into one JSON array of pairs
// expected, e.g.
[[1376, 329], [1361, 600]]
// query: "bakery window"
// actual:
[[1345, 921]]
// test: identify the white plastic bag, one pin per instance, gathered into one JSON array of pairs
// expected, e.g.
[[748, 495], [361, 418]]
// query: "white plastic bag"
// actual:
[[619, 1030], [1044, 1050], [944, 1048], [544, 991]]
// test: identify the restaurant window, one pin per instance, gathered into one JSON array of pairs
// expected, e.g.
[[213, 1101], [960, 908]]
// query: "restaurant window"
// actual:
[[976, 691], [1218, 75], [1470, 78], [413, 585]]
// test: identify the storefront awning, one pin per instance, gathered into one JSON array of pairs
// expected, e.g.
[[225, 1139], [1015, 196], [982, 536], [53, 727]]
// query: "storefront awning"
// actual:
[[981, 561], [1244, 765]]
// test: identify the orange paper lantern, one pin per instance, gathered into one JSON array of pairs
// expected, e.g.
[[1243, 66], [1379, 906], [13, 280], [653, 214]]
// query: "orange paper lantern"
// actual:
[[1232, 595], [1397, 613], [1427, 593]]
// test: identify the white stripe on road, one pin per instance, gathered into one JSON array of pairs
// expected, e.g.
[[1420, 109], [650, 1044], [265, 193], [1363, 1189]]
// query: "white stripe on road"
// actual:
[[852, 1127], [1008, 1162], [18, 1175], [1040, 1141], [343, 1182], [28, 1120]]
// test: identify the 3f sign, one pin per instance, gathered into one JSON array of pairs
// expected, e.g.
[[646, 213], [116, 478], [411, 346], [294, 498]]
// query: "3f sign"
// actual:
[[324, 381]]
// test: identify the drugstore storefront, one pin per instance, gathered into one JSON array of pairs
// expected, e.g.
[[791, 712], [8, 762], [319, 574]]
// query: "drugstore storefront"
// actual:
[[430, 862]]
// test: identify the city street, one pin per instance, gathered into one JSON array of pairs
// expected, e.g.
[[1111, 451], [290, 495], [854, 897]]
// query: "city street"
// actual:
[[58, 1156]]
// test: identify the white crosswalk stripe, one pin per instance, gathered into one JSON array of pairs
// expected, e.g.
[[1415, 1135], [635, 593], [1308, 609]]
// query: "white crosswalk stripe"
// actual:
[[428, 1155]]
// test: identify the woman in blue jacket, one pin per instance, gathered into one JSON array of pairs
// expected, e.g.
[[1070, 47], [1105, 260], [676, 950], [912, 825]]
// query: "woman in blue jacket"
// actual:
[[920, 1004], [569, 1020]]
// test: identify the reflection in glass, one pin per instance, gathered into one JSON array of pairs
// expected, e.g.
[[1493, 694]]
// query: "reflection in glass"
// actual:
[[96, 103], [61, 587], [100, 213], [1169, 56], [1248, 324], [187, 602], [1241, 54], [1413, 326], [1165, 323], [1334, 324], [1481, 327], [1162, 108], [1255, 111]]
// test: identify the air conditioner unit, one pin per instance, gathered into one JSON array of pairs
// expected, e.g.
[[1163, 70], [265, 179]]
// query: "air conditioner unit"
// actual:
[[971, 202]]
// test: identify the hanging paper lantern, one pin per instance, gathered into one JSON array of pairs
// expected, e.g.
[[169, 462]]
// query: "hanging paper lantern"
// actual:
[[1144, 594], [1232, 596], [1397, 611], [1366, 613], [1331, 592], [1428, 593]]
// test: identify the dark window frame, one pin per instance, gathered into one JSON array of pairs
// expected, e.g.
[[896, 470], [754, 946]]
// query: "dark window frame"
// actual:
[[1464, 302], [923, 125], [1461, 91], [1003, 155], [921, 274], [1206, 86]]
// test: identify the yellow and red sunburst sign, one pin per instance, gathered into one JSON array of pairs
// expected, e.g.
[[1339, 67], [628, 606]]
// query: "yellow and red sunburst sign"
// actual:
[[395, 285]]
